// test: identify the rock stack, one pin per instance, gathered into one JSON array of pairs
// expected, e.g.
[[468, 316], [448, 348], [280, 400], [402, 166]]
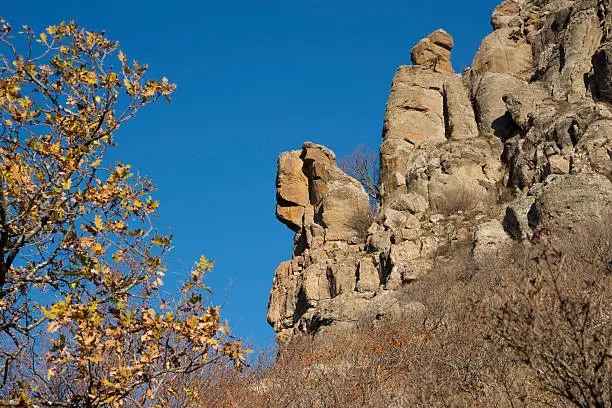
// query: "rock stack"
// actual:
[[530, 120]]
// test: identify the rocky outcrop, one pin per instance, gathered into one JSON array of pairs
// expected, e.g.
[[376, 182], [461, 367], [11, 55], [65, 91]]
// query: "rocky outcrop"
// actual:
[[569, 34], [317, 199], [433, 52], [513, 150], [426, 107]]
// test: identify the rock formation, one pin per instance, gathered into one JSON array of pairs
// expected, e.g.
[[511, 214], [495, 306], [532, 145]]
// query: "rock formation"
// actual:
[[434, 51], [511, 150]]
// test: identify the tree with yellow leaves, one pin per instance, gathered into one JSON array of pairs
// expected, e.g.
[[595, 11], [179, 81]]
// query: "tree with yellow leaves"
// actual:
[[82, 322]]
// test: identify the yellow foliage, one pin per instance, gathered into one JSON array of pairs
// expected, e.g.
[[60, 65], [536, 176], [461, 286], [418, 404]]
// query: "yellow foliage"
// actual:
[[59, 108]]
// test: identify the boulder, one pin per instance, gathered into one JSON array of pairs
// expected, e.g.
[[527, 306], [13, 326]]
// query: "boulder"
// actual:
[[433, 52], [490, 107], [379, 241], [291, 190], [345, 210], [311, 190], [569, 200], [411, 202], [518, 221], [490, 241]]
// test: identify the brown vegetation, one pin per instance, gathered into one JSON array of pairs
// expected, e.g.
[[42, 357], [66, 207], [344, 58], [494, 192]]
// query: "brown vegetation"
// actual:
[[361, 220], [459, 198], [533, 329]]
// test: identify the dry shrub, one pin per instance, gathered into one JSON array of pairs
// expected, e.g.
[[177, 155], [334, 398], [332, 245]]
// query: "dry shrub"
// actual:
[[531, 329], [459, 198], [364, 166], [556, 318], [361, 220], [470, 198]]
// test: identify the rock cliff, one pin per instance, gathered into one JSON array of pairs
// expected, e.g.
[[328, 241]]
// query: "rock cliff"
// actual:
[[511, 150]]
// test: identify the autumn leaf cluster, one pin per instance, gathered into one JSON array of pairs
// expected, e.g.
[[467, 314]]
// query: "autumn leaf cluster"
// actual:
[[82, 320]]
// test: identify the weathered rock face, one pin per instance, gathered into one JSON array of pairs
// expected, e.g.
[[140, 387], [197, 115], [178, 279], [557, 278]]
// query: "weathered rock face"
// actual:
[[291, 190], [513, 150], [569, 35], [505, 52]]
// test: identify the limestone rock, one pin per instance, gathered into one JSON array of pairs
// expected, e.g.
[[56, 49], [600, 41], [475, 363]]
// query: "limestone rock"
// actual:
[[503, 52], [569, 200], [405, 264], [441, 38], [519, 218], [455, 168], [524, 103], [345, 210], [284, 295], [394, 219], [564, 46], [393, 160], [415, 117], [379, 241], [558, 140], [291, 183], [313, 193], [412, 202], [388, 306], [290, 215], [532, 115], [425, 108], [593, 151], [433, 52], [315, 285], [490, 240], [488, 92], [291, 190], [317, 153], [506, 15], [415, 106], [460, 119], [367, 276]]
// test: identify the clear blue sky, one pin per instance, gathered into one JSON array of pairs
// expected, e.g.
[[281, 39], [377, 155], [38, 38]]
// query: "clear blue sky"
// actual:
[[255, 78]]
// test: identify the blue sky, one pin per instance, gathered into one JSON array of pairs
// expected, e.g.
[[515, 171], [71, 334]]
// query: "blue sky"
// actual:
[[254, 79]]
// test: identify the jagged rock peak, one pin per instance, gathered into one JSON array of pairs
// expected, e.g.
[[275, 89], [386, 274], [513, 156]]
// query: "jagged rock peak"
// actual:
[[433, 51]]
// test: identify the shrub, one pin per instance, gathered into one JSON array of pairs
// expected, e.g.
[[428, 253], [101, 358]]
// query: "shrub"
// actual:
[[532, 329], [459, 198]]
